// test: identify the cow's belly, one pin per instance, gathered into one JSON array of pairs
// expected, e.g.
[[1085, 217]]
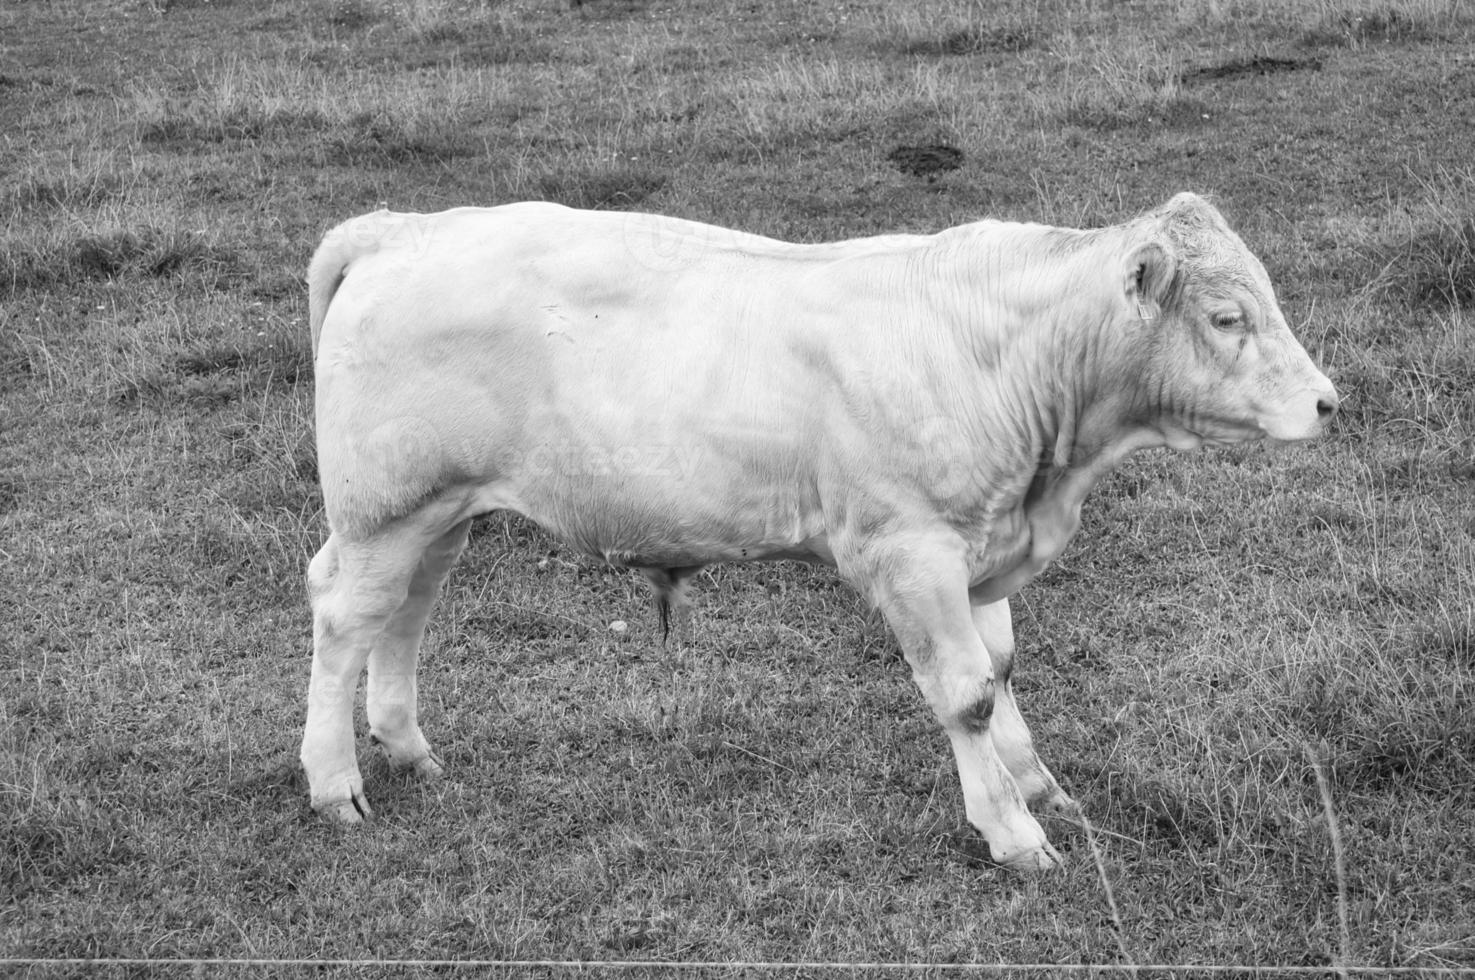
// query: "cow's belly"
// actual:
[[658, 505]]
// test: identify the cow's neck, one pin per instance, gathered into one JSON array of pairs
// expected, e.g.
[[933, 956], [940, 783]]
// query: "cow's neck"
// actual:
[[1050, 338], [1043, 317]]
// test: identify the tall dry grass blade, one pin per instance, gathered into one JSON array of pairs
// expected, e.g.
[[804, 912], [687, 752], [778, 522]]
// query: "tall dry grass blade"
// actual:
[[1344, 949], [1116, 915]]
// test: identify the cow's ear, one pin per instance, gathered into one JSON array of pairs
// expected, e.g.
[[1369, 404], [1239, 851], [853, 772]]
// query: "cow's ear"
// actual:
[[1149, 271]]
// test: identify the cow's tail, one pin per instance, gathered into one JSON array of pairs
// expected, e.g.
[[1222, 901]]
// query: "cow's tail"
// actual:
[[351, 240]]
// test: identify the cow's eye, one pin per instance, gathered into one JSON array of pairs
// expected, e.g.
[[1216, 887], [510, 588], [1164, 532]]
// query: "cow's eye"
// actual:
[[1228, 321]]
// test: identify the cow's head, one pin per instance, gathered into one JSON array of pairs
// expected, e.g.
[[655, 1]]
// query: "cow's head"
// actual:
[[1221, 363]]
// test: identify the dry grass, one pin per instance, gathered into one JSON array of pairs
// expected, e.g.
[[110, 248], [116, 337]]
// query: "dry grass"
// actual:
[[769, 786]]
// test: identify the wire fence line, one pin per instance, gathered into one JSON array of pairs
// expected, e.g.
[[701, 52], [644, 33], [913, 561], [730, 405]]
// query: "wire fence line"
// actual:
[[676, 967]]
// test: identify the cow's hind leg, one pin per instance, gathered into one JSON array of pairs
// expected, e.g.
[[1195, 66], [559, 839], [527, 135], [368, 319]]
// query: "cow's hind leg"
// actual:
[[392, 701], [356, 586], [924, 596], [1010, 734]]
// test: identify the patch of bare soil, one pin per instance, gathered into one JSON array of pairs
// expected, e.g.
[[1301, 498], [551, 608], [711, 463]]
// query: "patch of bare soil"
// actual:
[[1258, 65]]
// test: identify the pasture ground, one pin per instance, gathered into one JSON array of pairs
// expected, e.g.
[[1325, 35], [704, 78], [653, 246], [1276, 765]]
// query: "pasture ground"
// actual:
[[769, 786]]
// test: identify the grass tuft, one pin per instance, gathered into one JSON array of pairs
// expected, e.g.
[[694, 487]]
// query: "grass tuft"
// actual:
[[1123, 87], [1359, 25], [1154, 809], [1437, 269], [51, 844], [974, 40], [11, 491], [215, 375], [65, 193], [53, 836], [614, 188], [175, 127], [1425, 259], [117, 253], [1357, 29], [1452, 643], [152, 252], [950, 29], [1411, 735], [355, 15]]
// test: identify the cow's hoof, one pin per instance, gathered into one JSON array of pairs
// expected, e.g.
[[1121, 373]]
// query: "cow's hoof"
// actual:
[[351, 808], [428, 767], [416, 758], [346, 812], [1034, 859], [1060, 805]]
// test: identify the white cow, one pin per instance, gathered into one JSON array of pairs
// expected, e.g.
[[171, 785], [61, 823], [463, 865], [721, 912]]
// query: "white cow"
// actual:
[[925, 413]]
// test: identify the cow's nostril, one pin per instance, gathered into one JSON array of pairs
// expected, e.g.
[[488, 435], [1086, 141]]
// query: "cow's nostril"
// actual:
[[1326, 407]]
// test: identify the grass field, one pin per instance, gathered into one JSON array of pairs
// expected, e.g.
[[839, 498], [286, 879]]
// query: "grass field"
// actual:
[[1242, 652]]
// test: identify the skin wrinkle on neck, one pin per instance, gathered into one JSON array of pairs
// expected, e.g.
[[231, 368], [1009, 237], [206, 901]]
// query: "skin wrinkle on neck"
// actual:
[[1053, 369]]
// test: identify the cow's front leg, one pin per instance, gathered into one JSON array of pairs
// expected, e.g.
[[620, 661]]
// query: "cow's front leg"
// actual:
[[1010, 734], [923, 591]]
